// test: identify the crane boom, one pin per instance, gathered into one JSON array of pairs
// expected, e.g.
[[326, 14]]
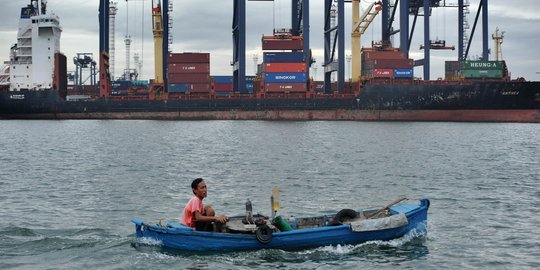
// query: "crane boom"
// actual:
[[359, 27]]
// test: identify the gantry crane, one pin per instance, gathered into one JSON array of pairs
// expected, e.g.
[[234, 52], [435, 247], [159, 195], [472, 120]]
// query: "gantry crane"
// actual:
[[360, 25]]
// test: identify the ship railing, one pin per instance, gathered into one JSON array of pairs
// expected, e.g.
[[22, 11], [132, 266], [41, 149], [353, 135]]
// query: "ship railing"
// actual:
[[18, 62]]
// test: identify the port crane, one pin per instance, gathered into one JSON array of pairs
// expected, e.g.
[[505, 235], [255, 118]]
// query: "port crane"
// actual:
[[360, 25], [333, 61]]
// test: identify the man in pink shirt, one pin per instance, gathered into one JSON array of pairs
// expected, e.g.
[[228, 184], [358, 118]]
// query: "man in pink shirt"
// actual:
[[196, 215]]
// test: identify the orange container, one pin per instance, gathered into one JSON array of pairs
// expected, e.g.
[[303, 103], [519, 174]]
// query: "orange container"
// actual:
[[285, 67]]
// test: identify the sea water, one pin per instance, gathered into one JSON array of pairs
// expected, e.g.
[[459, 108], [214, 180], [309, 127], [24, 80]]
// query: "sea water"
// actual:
[[69, 188]]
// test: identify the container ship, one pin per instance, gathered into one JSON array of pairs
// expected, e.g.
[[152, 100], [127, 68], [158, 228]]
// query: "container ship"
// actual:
[[34, 84]]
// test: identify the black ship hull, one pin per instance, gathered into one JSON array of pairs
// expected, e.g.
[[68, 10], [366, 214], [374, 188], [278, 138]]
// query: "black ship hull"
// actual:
[[436, 101]]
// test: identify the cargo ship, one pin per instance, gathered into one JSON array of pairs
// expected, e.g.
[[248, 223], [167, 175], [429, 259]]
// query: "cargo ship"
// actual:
[[184, 89]]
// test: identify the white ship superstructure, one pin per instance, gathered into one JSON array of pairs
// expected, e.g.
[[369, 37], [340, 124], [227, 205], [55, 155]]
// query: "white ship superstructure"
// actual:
[[38, 39]]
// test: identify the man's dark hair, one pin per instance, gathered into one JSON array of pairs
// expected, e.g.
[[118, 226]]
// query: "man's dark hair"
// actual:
[[195, 183]]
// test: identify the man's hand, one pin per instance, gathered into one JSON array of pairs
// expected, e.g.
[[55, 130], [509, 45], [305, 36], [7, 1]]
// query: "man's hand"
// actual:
[[222, 219]]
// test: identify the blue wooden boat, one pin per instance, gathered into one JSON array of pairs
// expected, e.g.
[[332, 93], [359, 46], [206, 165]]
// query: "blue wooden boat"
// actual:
[[342, 228]]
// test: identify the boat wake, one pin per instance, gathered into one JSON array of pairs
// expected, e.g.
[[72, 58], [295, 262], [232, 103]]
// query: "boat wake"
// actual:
[[146, 241]]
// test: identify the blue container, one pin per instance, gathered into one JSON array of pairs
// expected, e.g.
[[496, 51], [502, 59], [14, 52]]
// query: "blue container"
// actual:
[[223, 93], [284, 57], [250, 78], [179, 87], [285, 77], [121, 85], [222, 79], [403, 73]]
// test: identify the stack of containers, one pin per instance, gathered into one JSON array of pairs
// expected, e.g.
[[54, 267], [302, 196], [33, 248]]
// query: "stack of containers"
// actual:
[[222, 85], [188, 73], [386, 64], [484, 69], [284, 72]]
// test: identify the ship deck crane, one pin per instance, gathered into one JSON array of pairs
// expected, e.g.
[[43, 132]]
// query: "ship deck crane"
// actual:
[[157, 27], [360, 25]]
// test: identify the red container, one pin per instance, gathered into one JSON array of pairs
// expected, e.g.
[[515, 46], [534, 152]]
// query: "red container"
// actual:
[[283, 44], [372, 55], [383, 73], [346, 87], [285, 87], [223, 87], [257, 86], [387, 64], [188, 68], [188, 58], [200, 88], [318, 86], [188, 78], [285, 67]]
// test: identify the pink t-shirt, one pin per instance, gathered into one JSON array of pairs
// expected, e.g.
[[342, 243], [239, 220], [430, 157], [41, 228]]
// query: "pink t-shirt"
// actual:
[[194, 204]]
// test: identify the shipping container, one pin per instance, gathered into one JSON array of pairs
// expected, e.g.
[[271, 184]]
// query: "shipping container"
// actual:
[[189, 88], [178, 87], [284, 67], [386, 73], [284, 57], [318, 86], [483, 65], [403, 73], [188, 58], [490, 73], [188, 68], [222, 79], [283, 44], [453, 65], [388, 63], [223, 93], [285, 87], [279, 77], [120, 84], [200, 88], [188, 78], [223, 87], [372, 55]]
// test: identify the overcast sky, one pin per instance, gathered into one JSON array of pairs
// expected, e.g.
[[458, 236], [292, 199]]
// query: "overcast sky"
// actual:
[[205, 26]]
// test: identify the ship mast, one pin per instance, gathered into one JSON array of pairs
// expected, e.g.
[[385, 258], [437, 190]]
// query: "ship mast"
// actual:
[[498, 39]]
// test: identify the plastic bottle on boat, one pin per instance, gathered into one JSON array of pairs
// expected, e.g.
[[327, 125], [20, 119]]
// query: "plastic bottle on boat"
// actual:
[[292, 222]]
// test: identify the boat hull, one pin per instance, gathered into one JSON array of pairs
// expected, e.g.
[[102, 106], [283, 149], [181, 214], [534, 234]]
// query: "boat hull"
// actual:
[[484, 102], [524, 116], [185, 239]]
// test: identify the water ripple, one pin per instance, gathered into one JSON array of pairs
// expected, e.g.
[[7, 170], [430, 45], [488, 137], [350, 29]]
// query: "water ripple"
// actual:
[[69, 188]]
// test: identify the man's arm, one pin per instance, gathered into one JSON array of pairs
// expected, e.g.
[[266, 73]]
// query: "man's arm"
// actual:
[[197, 216]]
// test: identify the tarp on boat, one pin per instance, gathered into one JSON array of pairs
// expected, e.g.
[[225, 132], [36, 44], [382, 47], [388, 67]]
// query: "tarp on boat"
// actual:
[[390, 222]]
